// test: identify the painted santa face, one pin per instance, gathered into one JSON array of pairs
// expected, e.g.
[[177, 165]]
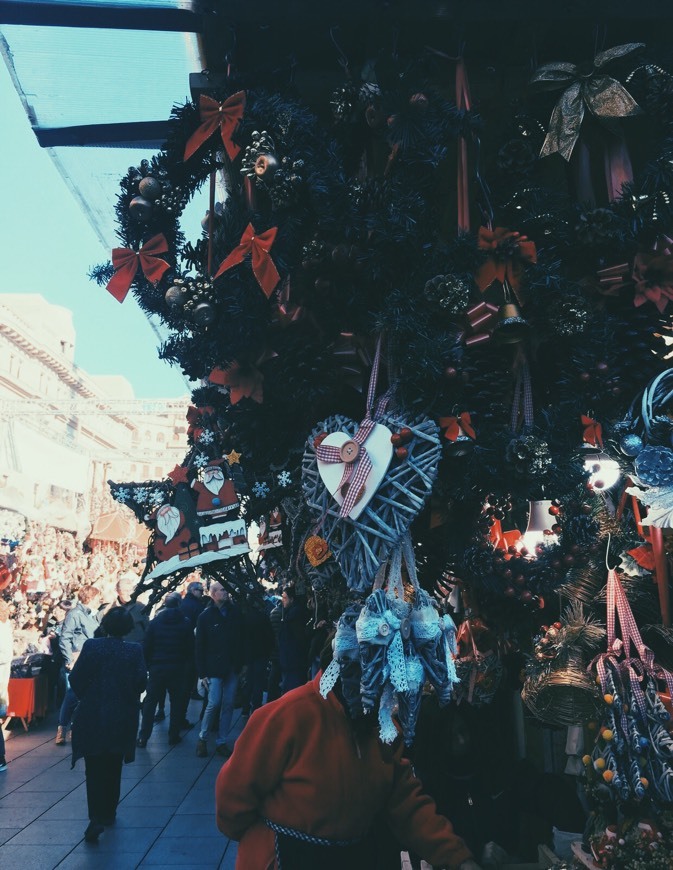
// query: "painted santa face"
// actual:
[[168, 521], [213, 479]]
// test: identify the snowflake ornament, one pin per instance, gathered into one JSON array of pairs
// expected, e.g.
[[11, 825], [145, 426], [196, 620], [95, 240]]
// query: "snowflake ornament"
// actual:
[[123, 494], [284, 479], [156, 498], [200, 460], [261, 490], [206, 437], [140, 494]]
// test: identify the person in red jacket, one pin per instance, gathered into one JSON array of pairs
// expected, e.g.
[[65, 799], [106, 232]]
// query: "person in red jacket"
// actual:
[[305, 785]]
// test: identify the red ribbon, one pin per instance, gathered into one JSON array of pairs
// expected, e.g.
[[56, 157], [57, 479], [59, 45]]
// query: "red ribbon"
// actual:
[[263, 266], [463, 102], [501, 268], [453, 426], [126, 262], [224, 115], [593, 431], [653, 274]]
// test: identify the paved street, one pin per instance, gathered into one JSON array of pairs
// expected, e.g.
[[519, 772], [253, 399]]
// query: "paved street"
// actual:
[[165, 817]]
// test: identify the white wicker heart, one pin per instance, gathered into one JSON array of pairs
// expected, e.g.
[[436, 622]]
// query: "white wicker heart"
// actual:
[[360, 546]]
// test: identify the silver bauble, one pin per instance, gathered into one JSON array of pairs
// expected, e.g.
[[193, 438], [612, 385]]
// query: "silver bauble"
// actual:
[[150, 188], [203, 314]]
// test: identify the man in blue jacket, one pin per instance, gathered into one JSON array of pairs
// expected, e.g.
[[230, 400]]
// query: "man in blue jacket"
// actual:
[[220, 652], [168, 647]]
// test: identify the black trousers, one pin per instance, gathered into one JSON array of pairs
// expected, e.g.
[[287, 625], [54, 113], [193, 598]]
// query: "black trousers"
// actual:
[[161, 681], [103, 781]]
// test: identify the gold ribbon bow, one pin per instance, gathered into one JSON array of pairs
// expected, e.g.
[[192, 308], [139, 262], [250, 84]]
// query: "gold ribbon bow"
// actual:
[[604, 96]]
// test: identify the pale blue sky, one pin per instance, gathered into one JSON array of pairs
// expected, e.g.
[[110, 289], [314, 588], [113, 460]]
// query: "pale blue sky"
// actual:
[[48, 247]]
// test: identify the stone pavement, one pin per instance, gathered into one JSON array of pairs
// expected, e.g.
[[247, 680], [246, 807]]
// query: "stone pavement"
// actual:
[[166, 817]]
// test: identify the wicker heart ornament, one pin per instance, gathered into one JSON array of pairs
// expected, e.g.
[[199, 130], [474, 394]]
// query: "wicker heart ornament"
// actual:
[[380, 450], [361, 544]]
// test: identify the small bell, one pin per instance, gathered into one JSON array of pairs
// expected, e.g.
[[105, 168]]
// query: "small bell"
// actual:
[[511, 328]]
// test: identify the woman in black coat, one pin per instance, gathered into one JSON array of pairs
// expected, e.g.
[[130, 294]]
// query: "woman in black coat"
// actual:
[[107, 678]]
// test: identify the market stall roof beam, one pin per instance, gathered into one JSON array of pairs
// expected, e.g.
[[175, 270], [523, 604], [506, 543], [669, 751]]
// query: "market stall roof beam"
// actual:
[[121, 17], [134, 134]]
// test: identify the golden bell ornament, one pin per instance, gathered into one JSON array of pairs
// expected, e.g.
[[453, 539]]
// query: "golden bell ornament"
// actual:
[[511, 327]]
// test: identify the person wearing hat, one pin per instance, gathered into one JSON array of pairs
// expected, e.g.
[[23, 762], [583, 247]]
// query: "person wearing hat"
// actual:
[[107, 679], [168, 645]]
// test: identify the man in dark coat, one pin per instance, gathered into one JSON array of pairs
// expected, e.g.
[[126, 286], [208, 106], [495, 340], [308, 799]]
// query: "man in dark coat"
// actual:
[[220, 652], [193, 604], [259, 645], [293, 641], [168, 646], [107, 678]]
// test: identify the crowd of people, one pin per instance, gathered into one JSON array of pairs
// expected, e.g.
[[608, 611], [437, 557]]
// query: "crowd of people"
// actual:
[[42, 570]]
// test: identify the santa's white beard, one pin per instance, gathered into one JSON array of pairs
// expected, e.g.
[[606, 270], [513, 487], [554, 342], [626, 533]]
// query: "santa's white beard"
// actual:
[[213, 480], [168, 522]]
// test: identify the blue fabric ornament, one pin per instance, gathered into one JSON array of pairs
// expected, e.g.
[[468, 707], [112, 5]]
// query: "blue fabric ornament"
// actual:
[[631, 444]]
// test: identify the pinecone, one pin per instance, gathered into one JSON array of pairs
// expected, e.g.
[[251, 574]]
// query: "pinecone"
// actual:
[[598, 226], [477, 562], [654, 466], [581, 530], [569, 316], [369, 195], [285, 186], [516, 157], [529, 455], [450, 292], [344, 102]]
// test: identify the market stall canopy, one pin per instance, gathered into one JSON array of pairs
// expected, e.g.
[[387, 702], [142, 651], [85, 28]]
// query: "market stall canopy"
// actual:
[[119, 526], [102, 76], [98, 78]]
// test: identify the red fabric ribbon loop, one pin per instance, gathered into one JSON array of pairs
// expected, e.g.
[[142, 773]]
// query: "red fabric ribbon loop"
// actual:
[[593, 431], [263, 267], [653, 274], [126, 263], [454, 425], [224, 115], [499, 267]]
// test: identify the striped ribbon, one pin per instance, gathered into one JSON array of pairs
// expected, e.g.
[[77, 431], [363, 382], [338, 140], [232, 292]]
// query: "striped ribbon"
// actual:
[[305, 838], [523, 395], [632, 668], [355, 473]]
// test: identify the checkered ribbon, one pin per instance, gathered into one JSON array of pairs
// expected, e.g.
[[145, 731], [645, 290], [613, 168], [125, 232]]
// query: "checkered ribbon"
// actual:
[[355, 473], [523, 395], [305, 838], [633, 669]]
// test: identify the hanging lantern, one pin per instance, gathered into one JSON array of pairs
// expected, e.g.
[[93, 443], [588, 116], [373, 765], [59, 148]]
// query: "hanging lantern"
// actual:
[[540, 523], [511, 328], [604, 471]]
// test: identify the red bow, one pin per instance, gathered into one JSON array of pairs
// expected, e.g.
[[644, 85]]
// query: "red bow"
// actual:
[[244, 381], [653, 274], [263, 266], [126, 262], [499, 267], [593, 431], [224, 115], [454, 425]]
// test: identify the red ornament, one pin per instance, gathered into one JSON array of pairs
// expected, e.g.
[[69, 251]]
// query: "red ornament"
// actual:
[[401, 452], [396, 439], [554, 510], [178, 475], [406, 434]]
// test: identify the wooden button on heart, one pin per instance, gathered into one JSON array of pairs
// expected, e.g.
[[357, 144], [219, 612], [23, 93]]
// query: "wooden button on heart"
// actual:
[[349, 451]]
